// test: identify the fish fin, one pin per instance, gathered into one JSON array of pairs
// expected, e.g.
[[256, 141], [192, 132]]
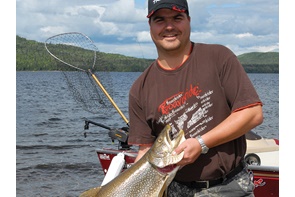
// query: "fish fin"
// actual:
[[91, 192], [165, 193]]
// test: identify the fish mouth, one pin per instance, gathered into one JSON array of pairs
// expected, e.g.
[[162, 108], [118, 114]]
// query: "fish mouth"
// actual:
[[167, 169], [174, 136], [161, 153]]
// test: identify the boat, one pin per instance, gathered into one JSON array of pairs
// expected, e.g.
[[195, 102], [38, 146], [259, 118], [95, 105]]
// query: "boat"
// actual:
[[261, 157]]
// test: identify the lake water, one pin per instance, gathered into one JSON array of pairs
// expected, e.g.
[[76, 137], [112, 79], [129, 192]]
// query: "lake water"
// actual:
[[52, 156]]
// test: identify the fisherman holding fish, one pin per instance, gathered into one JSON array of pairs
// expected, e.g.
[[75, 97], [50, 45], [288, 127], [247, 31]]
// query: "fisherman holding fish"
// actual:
[[203, 90]]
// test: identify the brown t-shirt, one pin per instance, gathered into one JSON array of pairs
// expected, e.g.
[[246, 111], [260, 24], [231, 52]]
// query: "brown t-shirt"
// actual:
[[196, 97]]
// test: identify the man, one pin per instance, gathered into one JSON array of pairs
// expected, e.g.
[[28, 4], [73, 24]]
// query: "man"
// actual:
[[203, 90]]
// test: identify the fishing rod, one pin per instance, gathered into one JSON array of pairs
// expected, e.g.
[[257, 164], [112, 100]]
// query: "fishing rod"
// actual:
[[78, 51]]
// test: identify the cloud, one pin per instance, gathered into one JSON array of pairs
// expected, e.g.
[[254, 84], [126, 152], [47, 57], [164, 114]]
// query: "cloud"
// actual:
[[124, 11], [121, 26]]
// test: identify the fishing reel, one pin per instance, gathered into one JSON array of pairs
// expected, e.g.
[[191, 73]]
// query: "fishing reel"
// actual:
[[120, 134]]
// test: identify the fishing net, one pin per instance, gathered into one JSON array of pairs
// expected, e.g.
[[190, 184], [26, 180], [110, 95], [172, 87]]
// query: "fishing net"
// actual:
[[76, 55]]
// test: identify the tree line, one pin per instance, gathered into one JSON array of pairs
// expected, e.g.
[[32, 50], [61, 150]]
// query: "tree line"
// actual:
[[32, 56]]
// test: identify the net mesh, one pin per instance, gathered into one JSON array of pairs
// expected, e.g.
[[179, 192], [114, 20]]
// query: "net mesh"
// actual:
[[76, 54]]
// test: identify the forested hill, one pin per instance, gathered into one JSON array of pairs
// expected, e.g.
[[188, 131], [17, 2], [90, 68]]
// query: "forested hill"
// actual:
[[32, 56], [256, 62]]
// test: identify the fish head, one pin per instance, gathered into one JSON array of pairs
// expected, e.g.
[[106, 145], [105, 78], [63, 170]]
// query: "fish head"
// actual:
[[160, 154]]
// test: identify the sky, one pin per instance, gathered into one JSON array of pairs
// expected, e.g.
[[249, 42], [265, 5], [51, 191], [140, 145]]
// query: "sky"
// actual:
[[121, 26]]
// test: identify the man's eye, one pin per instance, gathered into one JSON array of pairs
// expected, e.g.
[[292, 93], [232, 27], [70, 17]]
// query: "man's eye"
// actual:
[[158, 20], [178, 19]]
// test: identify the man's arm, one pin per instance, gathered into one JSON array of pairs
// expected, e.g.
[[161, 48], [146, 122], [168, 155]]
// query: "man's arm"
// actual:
[[234, 126], [141, 151]]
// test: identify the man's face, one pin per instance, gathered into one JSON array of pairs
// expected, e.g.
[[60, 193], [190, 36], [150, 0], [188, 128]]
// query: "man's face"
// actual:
[[170, 30]]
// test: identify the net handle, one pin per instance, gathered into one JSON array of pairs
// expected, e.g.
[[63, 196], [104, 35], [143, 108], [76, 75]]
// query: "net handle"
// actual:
[[109, 97]]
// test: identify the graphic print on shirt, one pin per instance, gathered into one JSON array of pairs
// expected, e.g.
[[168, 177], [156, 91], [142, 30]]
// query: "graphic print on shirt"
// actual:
[[187, 110]]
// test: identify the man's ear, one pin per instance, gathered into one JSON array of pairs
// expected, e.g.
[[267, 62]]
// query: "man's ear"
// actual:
[[189, 18]]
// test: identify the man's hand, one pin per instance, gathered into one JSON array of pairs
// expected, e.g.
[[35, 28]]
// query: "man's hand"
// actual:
[[192, 150]]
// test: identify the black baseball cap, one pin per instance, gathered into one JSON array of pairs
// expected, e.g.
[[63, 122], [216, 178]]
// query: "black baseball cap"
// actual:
[[177, 5]]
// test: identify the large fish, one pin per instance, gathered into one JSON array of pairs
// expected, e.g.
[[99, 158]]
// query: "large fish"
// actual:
[[148, 177]]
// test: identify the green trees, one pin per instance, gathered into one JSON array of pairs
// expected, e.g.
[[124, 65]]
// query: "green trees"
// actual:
[[32, 56]]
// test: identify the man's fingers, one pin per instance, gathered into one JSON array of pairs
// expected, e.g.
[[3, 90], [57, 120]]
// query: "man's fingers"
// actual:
[[179, 149]]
